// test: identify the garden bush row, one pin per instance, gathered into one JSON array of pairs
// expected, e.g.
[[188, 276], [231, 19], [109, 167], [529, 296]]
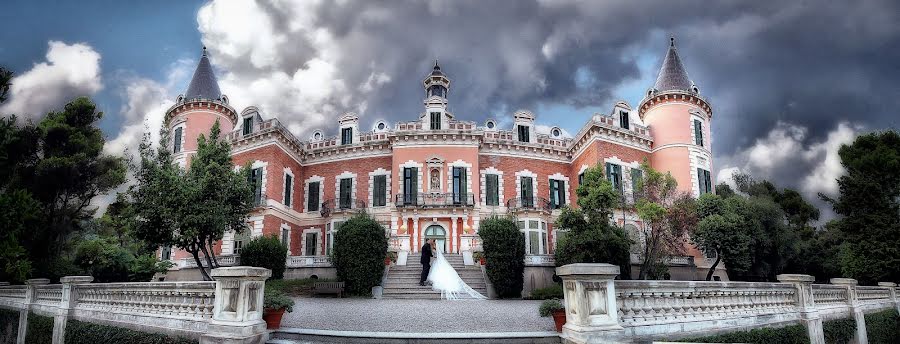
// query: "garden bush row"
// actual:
[[793, 334], [883, 327], [839, 331], [9, 326]]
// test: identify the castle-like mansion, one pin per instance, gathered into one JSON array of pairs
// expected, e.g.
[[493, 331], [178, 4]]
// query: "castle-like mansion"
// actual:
[[437, 176]]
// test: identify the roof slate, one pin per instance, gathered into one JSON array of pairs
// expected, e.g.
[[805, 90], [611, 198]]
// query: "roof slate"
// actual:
[[204, 83]]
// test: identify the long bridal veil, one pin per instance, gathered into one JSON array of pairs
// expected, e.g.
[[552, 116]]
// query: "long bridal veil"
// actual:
[[445, 279]]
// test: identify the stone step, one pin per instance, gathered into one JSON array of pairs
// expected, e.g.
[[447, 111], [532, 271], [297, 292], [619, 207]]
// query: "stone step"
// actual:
[[286, 335], [415, 284]]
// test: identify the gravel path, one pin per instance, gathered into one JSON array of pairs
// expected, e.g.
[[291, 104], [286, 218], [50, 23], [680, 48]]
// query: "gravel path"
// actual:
[[417, 315]]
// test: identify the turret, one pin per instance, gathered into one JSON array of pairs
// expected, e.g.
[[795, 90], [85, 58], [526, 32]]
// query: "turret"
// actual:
[[679, 119], [196, 111], [437, 85]]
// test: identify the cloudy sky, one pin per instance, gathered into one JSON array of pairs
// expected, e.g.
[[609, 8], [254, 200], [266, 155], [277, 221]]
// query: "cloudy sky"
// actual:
[[789, 81]]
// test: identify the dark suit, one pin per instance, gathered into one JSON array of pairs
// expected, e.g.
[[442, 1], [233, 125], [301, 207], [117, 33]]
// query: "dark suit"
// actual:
[[426, 262]]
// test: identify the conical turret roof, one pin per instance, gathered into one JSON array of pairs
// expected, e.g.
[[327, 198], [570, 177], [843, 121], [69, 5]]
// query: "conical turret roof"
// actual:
[[204, 84], [672, 75]]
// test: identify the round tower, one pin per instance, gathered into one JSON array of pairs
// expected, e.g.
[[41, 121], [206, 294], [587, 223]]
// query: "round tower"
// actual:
[[195, 112], [679, 119]]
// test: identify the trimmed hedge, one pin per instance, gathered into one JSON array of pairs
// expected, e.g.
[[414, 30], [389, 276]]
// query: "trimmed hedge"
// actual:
[[360, 246], [504, 252], [883, 327], [552, 292], [40, 329], [9, 326], [839, 331], [79, 332], [781, 335], [266, 252]]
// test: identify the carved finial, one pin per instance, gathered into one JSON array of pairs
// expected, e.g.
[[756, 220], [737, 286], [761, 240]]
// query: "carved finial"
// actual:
[[204, 50], [672, 41], [436, 64]]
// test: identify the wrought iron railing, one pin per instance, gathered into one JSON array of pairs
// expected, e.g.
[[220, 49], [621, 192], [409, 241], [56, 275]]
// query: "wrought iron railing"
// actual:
[[434, 200], [528, 203], [340, 205]]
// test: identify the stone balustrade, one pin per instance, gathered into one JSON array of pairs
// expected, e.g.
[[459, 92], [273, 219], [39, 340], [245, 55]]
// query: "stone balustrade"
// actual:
[[228, 310], [308, 261], [601, 310], [291, 261], [540, 260]]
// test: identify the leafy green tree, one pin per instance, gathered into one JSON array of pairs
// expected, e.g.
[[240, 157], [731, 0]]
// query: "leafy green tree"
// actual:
[[504, 253], [589, 235], [360, 246], [869, 203], [191, 210], [722, 229], [668, 216]]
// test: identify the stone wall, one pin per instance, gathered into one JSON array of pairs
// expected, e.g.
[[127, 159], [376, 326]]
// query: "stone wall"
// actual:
[[227, 310]]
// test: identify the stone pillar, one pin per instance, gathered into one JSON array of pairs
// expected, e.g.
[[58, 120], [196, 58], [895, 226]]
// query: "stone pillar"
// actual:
[[238, 308], [893, 288], [806, 304], [590, 300], [420, 235], [29, 299], [853, 302], [66, 304], [453, 225]]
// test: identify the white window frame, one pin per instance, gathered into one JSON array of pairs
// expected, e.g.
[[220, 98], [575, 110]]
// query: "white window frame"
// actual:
[[484, 191], [313, 179], [387, 187]]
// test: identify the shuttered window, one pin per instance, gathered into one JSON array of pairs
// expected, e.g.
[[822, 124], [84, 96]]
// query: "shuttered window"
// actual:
[[492, 184], [637, 176], [288, 189], [248, 126], [614, 175], [311, 247], [346, 136], [177, 140], [557, 193], [410, 185], [527, 192], [379, 193], [435, 121], [698, 133], [524, 134], [312, 199], [459, 185], [705, 181], [256, 182], [623, 119], [345, 186]]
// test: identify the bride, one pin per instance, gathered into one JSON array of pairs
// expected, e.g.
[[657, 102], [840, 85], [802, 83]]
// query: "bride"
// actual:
[[446, 280]]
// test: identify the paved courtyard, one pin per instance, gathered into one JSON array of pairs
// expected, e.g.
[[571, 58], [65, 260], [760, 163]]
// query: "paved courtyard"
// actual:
[[417, 315]]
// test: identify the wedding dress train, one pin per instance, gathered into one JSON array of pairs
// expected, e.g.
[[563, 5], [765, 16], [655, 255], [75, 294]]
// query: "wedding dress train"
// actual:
[[446, 280]]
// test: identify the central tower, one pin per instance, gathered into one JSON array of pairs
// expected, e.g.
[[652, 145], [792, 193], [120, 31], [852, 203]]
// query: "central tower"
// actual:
[[436, 86]]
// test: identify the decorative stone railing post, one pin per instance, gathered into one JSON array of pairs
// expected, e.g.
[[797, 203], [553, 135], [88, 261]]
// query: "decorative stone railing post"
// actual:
[[853, 302], [238, 308], [809, 315], [893, 287], [590, 301], [66, 304], [30, 297]]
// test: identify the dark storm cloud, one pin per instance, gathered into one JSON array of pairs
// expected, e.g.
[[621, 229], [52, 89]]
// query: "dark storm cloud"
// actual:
[[808, 63]]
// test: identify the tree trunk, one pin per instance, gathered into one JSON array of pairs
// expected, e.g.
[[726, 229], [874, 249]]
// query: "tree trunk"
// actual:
[[712, 269], [206, 254], [203, 272], [646, 258], [212, 252]]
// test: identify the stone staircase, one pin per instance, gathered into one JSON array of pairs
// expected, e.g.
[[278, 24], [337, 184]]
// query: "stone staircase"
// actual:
[[403, 281]]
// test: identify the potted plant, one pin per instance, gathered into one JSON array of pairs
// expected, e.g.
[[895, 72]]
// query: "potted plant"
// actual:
[[390, 258], [479, 256], [275, 303], [555, 308]]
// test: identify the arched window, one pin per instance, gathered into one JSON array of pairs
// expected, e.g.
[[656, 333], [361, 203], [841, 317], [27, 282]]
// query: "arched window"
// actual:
[[439, 235]]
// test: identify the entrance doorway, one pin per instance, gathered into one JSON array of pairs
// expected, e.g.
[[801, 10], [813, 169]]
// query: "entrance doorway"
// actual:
[[439, 235]]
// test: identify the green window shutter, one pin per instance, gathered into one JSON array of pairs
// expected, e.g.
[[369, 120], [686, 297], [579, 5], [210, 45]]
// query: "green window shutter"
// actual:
[[379, 193], [346, 185], [312, 199], [553, 202], [527, 192], [561, 185], [493, 190], [177, 140], [288, 188], [702, 183], [414, 183], [463, 183], [698, 133], [636, 177]]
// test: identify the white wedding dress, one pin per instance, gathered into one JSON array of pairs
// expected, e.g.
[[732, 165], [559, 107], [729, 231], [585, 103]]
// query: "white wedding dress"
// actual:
[[446, 280]]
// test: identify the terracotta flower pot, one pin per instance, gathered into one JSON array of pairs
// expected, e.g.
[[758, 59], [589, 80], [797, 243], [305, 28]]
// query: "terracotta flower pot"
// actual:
[[387, 261], [482, 260], [559, 317], [273, 318]]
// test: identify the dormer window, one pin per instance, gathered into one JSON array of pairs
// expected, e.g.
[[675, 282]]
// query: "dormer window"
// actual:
[[435, 121], [524, 133], [623, 119], [248, 126], [346, 136]]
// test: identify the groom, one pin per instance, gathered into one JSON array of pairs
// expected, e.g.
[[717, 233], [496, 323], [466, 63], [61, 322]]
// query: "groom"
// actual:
[[426, 260]]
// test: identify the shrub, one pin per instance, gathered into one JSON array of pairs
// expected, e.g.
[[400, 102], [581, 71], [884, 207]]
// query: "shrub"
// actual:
[[9, 326], [592, 242], [504, 252], [40, 329], [276, 299], [79, 332], [883, 327], [548, 306], [552, 292], [265, 252], [783, 335], [144, 267], [839, 331], [360, 246], [104, 259]]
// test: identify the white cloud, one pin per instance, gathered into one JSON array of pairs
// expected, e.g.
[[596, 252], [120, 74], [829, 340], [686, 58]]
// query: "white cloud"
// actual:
[[69, 71]]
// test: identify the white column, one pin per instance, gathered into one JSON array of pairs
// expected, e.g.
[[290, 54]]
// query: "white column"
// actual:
[[809, 315], [850, 284], [421, 234], [453, 234], [238, 306]]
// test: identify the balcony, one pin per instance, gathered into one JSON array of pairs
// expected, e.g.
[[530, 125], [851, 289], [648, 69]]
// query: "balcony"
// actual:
[[341, 205], [434, 200], [528, 204]]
